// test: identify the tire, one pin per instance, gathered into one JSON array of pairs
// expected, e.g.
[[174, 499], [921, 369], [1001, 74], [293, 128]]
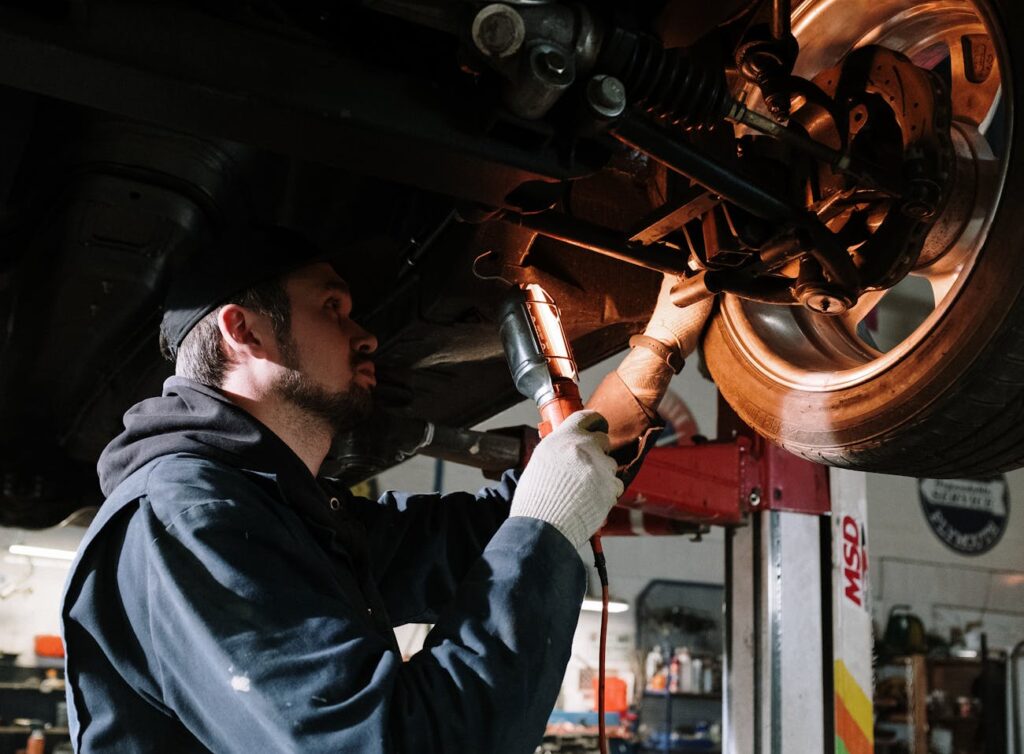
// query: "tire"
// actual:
[[949, 404]]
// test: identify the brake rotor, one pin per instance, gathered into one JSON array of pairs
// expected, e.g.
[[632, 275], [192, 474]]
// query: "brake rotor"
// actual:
[[884, 111]]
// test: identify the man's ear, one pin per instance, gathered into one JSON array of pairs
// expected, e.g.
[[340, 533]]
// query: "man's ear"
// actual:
[[243, 331]]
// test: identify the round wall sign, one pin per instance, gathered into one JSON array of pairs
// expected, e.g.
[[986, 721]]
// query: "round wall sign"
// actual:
[[968, 515]]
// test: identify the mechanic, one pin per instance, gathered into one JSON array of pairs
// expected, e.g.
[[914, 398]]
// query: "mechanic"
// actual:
[[225, 598]]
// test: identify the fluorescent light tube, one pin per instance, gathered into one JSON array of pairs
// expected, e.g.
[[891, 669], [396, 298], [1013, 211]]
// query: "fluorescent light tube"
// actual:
[[41, 552], [614, 606]]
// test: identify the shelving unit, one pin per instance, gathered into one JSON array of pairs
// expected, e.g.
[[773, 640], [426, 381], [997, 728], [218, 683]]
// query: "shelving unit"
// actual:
[[953, 704], [684, 695], [679, 614]]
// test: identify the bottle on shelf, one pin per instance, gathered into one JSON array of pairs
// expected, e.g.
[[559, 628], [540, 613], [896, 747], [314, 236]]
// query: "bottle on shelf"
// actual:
[[654, 663], [674, 673], [36, 743], [684, 684], [707, 681]]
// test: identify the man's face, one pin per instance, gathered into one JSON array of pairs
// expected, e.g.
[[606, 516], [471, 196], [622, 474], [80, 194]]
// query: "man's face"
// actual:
[[328, 371]]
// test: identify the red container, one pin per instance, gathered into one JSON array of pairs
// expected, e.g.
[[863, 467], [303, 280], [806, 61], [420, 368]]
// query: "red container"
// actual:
[[49, 645]]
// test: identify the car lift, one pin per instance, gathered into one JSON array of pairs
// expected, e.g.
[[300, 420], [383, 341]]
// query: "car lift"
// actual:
[[798, 644]]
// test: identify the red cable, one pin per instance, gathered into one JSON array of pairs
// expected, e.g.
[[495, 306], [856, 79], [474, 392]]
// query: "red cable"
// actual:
[[599, 563]]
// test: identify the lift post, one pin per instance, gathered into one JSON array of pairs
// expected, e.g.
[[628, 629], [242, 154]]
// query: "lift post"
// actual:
[[798, 643], [798, 640]]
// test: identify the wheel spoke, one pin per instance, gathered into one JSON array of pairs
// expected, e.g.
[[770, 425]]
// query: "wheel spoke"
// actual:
[[955, 240], [943, 274], [864, 306], [941, 283], [975, 78]]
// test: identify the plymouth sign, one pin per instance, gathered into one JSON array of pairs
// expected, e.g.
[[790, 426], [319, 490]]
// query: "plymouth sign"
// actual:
[[968, 515]]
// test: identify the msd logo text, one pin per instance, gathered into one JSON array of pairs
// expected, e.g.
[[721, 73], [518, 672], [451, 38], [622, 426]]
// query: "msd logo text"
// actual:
[[854, 561]]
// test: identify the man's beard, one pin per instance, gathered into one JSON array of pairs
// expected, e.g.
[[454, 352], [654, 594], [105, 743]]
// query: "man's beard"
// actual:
[[341, 410]]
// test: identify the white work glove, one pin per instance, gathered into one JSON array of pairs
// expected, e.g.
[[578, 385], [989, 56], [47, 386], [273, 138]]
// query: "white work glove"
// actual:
[[570, 479], [677, 328]]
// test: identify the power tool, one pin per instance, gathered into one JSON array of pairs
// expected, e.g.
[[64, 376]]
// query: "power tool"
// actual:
[[544, 370]]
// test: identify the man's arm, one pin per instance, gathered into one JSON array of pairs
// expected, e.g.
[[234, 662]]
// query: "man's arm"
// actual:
[[422, 545], [258, 639], [628, 397], [256, 651]]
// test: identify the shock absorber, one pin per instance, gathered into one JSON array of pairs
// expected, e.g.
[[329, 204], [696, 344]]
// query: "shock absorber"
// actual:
[[681, 91], [670, 85]]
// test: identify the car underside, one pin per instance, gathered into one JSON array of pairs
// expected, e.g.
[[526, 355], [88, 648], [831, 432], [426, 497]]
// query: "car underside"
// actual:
[[797, 162]]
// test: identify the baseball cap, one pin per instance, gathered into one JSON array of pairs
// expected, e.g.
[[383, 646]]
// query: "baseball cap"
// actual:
[[251, 256]]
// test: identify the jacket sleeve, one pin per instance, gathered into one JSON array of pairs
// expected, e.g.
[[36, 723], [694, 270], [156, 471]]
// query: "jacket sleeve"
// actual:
[[422, 545], [256, 651]]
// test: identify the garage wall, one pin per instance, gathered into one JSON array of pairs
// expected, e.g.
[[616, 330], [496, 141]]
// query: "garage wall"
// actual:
[[910, 565], [30, 592]]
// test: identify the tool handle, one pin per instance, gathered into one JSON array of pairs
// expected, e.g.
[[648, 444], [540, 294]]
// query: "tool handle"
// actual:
[[566, 402]]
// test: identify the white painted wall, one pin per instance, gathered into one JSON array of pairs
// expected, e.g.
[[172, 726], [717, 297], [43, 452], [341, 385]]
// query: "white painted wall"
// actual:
[[30, 589], [910, 565]]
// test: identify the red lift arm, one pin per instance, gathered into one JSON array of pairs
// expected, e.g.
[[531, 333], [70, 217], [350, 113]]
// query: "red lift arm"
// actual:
[[718, 483]]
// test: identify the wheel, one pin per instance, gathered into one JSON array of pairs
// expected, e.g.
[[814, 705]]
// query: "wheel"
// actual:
[[943, 394]]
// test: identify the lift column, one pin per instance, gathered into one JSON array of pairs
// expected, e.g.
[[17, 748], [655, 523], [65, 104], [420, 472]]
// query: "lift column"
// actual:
[[798, 643], [798, 628]]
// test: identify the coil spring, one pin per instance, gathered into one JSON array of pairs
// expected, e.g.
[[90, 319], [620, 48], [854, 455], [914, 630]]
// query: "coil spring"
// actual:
[[668, 84]]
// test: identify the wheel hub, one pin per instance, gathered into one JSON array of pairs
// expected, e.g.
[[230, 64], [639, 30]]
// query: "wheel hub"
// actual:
[[797, 346]]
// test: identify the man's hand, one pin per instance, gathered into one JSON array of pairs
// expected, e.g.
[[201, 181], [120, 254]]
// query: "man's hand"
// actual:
[[570, 479], [677, 328]]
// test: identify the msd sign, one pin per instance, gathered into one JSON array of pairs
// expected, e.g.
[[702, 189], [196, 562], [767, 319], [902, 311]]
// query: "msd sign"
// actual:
[[854, 559], [851, 614]]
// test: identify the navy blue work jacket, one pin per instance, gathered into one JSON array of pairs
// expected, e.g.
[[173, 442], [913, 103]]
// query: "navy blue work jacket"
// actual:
[[225, 600]]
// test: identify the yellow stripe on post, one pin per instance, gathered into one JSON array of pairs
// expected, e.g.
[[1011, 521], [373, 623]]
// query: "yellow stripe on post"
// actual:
[[857, 703]]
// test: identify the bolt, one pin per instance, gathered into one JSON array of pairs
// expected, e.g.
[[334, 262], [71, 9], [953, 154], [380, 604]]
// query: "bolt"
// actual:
[[820, 297], [755, 497], [498, 30], [922, 200], [823, 303], [606, 95], [552, 68], [554, 61]]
